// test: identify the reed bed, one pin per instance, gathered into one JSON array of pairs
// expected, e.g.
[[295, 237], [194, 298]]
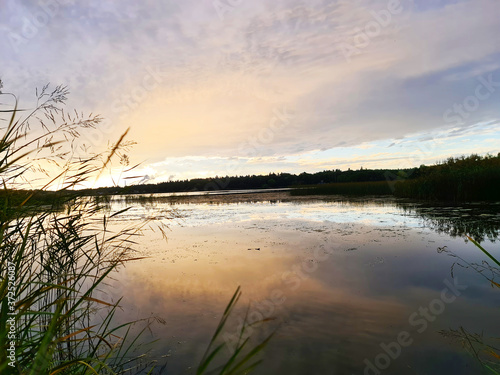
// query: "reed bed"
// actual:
[[57, 250], [467, 178]]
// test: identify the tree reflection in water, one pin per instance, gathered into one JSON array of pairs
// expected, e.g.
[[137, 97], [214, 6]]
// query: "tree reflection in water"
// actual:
[[479, 221]]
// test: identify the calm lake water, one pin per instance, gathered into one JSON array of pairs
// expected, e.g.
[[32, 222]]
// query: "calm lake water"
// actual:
[[343, 278]]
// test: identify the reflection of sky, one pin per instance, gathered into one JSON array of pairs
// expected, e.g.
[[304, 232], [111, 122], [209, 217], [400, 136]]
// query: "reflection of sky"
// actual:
[[376, 214], [319, 212], [205, 214], [383, 267]]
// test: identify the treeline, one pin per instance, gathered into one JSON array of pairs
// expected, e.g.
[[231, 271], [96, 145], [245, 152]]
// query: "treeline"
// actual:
[[467, 178], [471, 178], [463, 179], [270, 181]]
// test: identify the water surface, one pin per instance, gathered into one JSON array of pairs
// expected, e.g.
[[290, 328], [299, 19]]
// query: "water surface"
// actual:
[[343, 278]]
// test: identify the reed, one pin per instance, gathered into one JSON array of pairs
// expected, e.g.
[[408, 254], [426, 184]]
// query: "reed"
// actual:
[[57, 249], [483, 348], [54, 255], [467, 178]]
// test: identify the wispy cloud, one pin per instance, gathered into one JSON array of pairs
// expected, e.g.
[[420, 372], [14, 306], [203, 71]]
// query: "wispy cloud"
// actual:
[[218, 81]]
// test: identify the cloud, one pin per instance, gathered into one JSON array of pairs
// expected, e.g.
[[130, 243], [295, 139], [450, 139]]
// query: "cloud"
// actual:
[[217, 82]]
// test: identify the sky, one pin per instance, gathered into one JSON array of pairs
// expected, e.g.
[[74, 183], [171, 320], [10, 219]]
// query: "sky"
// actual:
[[237, 87]]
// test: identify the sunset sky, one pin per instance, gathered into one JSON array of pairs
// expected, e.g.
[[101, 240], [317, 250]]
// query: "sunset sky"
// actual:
[[236, 87]]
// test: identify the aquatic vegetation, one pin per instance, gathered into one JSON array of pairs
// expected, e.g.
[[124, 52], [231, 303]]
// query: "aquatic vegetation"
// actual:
[[58, 248], [467, 178], [242, 359], [483, 348], [478, 221], [53, 262]]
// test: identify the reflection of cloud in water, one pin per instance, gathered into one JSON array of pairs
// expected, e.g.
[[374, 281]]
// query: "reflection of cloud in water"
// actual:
[[331, 320]]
